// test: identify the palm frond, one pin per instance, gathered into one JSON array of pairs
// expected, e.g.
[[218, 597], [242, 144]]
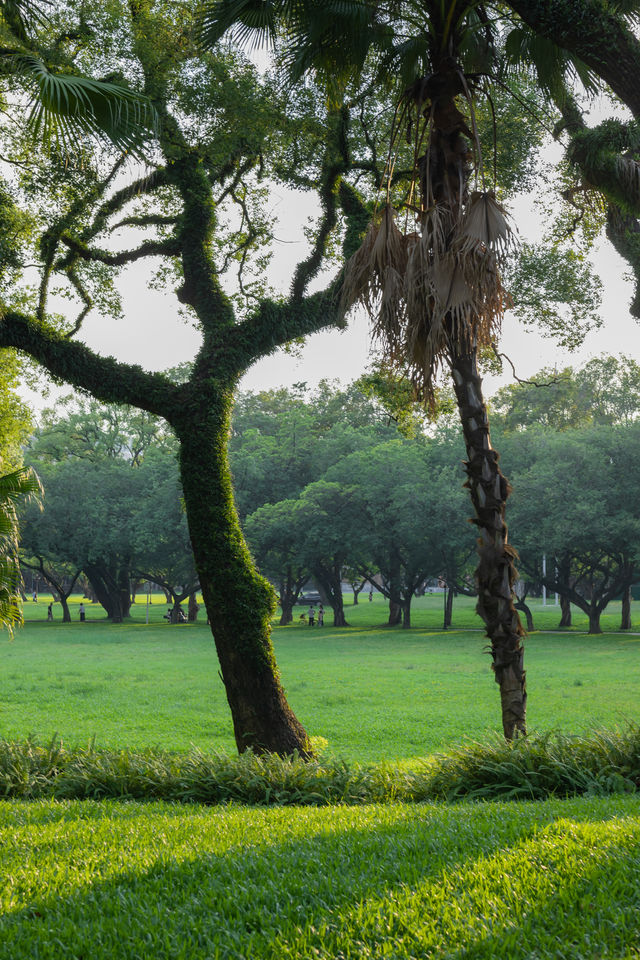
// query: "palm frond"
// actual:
[[65, 106], [485, 224], [21, 486], [20, 15], [255, 22]]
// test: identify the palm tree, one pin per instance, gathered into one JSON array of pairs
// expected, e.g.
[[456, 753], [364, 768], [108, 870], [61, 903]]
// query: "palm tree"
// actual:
[[18, 487], [64, 105], [431, 285]]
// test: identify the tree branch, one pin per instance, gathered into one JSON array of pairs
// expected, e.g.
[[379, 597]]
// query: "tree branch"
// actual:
[[104, 377]]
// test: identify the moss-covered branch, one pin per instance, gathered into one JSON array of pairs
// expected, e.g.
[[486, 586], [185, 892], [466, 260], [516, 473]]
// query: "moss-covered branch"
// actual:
[[105, 378], [151, 248]]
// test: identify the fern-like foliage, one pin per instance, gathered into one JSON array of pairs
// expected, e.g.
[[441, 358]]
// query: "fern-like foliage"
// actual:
[[64, 105], [15, 488]]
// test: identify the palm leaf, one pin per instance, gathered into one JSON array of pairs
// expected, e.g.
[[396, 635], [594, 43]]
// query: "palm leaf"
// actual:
[[65, 106], [20, 486]]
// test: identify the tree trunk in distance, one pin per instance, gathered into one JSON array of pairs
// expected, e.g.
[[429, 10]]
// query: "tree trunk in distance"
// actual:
[[287, 613], [66, 614], [526, 609], [395, 613], [448, 609], [192, 613], [406, 614], [565, 611], [594, 620], [239, 602], [625, 623], [329, 582], [496, 573]]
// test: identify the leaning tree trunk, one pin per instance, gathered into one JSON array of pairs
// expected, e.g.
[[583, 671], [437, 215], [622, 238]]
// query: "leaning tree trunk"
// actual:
[[496, 573], [523, 606], [239, 602], [565, 611], [625, 623]]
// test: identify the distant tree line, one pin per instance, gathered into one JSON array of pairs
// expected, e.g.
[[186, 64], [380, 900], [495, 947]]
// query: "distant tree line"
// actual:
[[337, 484]]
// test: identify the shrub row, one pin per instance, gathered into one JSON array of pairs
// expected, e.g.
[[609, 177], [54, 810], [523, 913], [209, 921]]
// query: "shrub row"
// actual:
[[533, 768]]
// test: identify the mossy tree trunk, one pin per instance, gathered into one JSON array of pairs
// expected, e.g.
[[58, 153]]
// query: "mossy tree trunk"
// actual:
[[239, 602]]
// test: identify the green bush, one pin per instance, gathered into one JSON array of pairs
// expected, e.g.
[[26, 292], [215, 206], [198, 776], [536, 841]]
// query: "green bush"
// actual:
[[533, 768]]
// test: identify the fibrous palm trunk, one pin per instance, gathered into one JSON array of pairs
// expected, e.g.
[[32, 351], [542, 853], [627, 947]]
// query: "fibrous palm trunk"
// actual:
[[496, 573]]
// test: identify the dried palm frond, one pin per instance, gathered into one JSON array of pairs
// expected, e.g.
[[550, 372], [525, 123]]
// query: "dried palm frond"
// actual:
[[485, 223], [383, 249], [356, 286]]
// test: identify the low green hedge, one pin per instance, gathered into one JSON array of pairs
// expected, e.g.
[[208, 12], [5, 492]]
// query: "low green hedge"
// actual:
[[602, 763]]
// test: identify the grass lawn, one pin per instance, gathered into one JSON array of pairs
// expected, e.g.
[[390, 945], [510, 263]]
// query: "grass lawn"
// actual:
[[559, 879], [372, 692], [154, 881]]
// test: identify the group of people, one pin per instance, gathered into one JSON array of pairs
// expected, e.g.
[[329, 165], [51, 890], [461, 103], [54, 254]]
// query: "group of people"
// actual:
[[82, 615], [311, 616]]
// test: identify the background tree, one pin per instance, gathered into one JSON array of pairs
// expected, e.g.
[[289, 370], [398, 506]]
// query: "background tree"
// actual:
[[275, 533], [575, 504]]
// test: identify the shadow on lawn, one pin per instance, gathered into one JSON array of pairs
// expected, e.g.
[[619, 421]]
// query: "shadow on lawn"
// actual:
[[445, 881]]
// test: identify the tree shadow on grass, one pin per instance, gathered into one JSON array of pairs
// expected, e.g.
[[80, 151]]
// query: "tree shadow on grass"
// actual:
[[351, 883]]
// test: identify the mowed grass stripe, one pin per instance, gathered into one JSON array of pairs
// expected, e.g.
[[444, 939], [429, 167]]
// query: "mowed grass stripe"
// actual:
[[554, 879]]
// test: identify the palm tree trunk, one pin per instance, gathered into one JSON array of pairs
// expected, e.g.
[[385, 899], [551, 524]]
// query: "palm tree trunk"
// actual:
[[239, 602], [496, 573]]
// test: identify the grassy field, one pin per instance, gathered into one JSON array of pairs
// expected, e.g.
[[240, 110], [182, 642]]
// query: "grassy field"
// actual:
[[134, 881], [372, 692]]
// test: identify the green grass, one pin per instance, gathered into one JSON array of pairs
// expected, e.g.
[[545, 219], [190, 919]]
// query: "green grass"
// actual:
[[133, 881], [372, 692]]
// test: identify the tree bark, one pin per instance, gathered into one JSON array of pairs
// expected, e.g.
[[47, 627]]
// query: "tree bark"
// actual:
[[239, 602], [406, 613], [496, 573], [329, 580], [192, 614], [448, 608], [112, 591], [565, 612], [287, 613], [625, 623], [395, 613], [594, 620]]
